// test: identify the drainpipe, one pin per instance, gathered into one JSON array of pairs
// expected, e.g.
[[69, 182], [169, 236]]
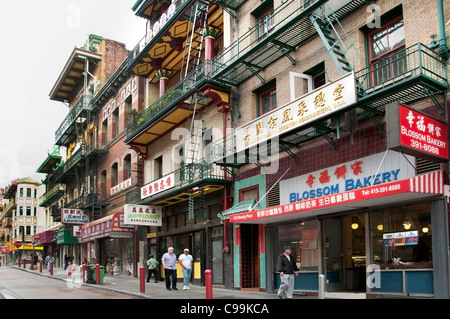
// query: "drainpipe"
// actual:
[[443, 48]]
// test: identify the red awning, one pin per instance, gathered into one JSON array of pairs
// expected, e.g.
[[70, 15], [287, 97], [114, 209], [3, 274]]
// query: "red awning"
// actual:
[[424, 186]]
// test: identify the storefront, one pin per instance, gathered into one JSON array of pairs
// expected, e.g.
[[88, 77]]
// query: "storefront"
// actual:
[[109, 242], [369, 225]]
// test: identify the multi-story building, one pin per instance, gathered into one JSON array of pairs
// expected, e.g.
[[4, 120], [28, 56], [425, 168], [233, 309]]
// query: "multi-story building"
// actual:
[[19, 220], [87, 185], [337, 140]]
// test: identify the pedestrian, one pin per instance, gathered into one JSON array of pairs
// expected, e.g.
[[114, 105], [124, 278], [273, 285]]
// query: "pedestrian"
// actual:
[[49, 259], [169, 261], [186, 260], [152, 268], [287, 267], [66, 260], [35, 260]]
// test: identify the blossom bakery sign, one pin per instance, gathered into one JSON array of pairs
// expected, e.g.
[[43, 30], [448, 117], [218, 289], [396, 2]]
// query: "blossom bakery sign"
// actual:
[[415, 133]]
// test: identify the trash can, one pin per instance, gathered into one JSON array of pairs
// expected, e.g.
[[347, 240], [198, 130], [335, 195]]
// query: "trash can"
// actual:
[[102, 274], [89, 275]]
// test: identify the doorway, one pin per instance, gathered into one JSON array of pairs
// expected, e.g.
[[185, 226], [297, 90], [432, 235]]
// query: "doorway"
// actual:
[[250, 264], [344, 253]]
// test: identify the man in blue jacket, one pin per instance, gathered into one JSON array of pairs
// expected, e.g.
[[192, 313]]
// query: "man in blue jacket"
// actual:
[[287, 267]]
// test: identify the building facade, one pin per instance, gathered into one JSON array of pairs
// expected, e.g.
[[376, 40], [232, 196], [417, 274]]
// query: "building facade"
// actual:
[[87, 184], [19, 218]]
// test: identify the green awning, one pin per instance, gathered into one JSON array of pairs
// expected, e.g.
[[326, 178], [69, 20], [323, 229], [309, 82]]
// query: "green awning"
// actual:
[[240, 207]]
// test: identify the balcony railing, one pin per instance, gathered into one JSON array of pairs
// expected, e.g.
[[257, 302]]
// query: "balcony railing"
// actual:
[[159, 27], [58, 189], [417, 67], [11, 205], [175, 95], [70, 162], [190, 176], [82, 104]]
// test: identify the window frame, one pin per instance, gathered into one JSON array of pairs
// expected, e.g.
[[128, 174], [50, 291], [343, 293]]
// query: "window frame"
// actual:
[[388, 55]]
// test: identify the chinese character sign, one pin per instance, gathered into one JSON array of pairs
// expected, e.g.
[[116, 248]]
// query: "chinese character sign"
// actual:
[[317, 104], [158, 186], [423, 133]]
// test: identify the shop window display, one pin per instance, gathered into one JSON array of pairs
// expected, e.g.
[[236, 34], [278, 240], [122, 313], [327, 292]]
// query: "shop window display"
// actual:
[[401, 237]]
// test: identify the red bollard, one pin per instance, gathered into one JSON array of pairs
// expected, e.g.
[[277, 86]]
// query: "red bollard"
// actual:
[[142, 278], [69, 270], [208, 283], [24, 263], [51, 268], [97, 274], [40, 265], [19, 262], [84, 273]]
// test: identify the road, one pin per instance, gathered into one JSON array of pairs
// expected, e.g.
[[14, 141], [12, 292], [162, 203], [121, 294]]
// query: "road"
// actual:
[[17, 284]]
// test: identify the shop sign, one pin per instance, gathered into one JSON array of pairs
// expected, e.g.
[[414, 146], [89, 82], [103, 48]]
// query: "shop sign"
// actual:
[[360, 173], [431, 183], [74, 216], [142, 215], [158, 186], [415, 133], [313, 106], [121, 186], [404, 238]]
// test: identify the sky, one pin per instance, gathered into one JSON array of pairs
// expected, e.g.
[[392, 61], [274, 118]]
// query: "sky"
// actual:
[[37, 38]]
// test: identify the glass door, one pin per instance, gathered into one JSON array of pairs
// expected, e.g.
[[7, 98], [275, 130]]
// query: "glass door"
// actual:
[[333, 254]]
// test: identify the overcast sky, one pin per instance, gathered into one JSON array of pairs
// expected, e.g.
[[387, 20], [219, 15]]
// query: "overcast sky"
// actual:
[[37, 38]]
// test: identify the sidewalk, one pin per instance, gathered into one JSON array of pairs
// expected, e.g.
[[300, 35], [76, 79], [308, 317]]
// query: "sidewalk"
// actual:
[[131, 285]]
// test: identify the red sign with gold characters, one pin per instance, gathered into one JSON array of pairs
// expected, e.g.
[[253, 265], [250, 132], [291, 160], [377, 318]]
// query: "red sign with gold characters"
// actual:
[[423, 133]]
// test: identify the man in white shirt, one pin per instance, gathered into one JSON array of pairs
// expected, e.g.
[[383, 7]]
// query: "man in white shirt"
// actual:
[[185, 261]]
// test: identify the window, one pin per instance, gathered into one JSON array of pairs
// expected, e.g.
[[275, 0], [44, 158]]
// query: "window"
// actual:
[[115, 122], [105, 132], [267, 100], [264, 19], [127, 167], [386, 51], [28, 192], [28, 211], [114, 175], [158, 167], [401, 237], [20, 210], [21, 192], [265, 24]]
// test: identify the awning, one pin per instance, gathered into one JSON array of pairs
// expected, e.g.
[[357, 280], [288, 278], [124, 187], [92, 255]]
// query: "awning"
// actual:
[[240, 207], [426, 186], [109, 226]]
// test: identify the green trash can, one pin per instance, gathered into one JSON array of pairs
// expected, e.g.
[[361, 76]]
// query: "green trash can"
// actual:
[[102, 274]]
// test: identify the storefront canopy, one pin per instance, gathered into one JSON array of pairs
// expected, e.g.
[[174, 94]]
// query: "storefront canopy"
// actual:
[[240, 207], [425, 186], [109, 226]]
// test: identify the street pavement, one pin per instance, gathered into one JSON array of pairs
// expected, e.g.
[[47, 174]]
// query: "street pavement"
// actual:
[[128, 284]]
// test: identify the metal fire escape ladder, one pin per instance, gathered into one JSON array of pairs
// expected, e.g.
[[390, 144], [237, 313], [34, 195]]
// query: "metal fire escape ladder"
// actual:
[[194, 39], [329, 29]]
